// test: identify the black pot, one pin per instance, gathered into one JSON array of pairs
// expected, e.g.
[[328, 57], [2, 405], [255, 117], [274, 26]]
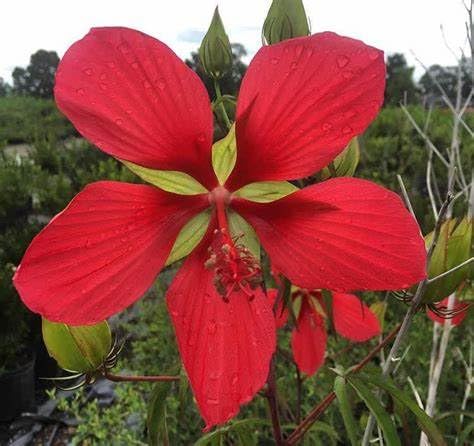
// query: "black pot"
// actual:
[[17, 391]]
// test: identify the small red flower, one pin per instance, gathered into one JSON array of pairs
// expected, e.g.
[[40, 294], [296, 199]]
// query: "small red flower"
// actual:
[[456, 315], [352, 319], [300, 104]]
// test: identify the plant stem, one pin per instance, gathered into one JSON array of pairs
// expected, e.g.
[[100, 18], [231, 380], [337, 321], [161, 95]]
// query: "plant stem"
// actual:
[[309, 420], [226, 119], [271, 395], [139, 378]]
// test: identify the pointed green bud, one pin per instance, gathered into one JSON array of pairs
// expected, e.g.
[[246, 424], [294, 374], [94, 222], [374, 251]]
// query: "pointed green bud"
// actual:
[[77, 348], [215, 51], [345, 164], [453, 248], [286, 19]]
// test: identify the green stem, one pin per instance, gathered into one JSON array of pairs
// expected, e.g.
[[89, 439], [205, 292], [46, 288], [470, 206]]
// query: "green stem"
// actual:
[[226, 119]]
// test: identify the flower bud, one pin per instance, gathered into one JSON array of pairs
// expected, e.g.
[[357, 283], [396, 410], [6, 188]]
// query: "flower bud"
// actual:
[[215, 51], [453, 248], [77, 348], [345, 163], [286, 19]]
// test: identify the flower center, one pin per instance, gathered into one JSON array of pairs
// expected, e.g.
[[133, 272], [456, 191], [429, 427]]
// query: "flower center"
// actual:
[[234, 266]]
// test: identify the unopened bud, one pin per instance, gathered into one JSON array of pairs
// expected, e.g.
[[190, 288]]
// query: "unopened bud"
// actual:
[[454, 247], [286, 19], [215, 51], [77, 348]]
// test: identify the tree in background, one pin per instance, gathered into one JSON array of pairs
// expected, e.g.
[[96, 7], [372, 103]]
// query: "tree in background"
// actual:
[[4, 87], [230, 82], [447, 78], [38, 78], [400, 83]]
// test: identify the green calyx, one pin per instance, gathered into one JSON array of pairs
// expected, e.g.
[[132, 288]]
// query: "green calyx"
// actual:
[[286, 19], [77, 348], [215, 51], [345, 164]]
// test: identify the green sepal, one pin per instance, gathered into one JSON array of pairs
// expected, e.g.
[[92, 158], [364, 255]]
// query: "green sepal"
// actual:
[[77, 348], [286, 19], [266, 191], [189, 236], [243, 233], [169, 180], [224, 155], [345, 164], [215, 51], [454, 247]]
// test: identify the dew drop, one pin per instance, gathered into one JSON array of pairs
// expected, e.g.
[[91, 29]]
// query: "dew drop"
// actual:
[[213, 401], [87, 71], [299, 50], [119, 121], [274, 60], [103, 86], [235, 378], [135, 65], [346, 129], [161, 84], [146, 84], [201, 137], [342, 61], [111, 64], [327, 126], [373, 54], [80, 91], [348, 74], [293, 65], [212, 327], [103, 76]]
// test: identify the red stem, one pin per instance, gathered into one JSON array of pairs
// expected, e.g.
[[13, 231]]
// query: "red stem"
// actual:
[[139, 378]]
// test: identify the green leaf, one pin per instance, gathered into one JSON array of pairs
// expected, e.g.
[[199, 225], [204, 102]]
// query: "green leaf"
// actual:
[[224, 155], [454, 247], [190, 236], [382, 417], [266, 191], [425, 422], [466, 434], [222, 432], [244, 233], [169, 180], [340, 389], [345, 164], [156, 415], [77, 348]]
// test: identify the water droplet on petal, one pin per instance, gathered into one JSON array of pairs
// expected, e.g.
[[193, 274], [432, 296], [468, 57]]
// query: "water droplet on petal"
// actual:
[[119, 121], [293, 65], [111, 64], [161, 84], [235, 378], [274, 60], [212, 327], [135, 65], [374, 54], [87, 71], [103, 86], [80, 91], [347, 129], [212, 401], [348, 74], [146, 84], [342, 61], [327, 126]]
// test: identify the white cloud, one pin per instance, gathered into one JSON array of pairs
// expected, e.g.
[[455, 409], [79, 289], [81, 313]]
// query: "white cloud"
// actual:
[[392, 26]]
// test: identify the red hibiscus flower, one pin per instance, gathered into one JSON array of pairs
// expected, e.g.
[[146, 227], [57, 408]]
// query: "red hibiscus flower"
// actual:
[[300, 103], [457, 314], [352, 319]]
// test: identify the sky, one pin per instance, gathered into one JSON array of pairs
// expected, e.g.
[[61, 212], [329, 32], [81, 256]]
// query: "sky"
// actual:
[[393, 26]]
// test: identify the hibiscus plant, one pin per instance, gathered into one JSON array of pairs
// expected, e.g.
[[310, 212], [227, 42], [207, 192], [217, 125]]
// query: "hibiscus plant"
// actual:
[[263, 244]]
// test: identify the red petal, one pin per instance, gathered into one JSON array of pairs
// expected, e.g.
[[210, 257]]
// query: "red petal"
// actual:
[[102, 252], [281, 313], [226, 348], [344, 234], [308, 340], [459, 307], [135, 99], [353, 319], [300, 104]]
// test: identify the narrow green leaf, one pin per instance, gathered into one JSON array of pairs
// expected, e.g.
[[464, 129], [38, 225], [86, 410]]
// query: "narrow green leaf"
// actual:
[[244, 233], [221, 432], [156, 415], [190, 236], [169, 180], [382, 417], [320, 426], [77, 348], [266, 191], [224, 155], [340, 389], [425, 422], [345, 164]]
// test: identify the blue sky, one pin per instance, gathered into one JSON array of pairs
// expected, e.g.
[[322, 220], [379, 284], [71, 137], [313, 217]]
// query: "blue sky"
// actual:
[[402, 25]]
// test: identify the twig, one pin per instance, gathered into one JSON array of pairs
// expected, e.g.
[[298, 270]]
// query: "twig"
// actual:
[[405, 196], [309, 420], [271, 395], [139, 378]]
